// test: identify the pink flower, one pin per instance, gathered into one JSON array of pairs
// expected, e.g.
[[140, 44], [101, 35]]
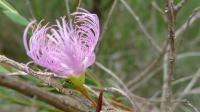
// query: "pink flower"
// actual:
[[64, 48]]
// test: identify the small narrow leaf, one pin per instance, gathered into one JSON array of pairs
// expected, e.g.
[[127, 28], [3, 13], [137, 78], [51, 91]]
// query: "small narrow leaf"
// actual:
[[12, 13], [89, 81], [100, 102], [16, 18], [6, 6]]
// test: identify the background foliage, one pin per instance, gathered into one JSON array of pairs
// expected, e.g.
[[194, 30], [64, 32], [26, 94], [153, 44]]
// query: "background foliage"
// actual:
[[123, 49]]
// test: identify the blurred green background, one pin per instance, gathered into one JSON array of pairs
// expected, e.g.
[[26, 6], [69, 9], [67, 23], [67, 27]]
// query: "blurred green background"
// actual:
[[124, 48]]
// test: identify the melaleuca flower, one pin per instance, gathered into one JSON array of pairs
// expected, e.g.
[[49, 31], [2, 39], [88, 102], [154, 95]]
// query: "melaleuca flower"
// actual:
[[66, 48]]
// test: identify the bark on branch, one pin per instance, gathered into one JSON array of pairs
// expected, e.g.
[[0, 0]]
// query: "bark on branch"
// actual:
[[45, 77], [66, 104], [167, 92]]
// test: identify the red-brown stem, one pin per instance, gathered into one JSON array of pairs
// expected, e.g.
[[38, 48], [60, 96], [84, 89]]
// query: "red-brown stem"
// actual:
[[167, 92]]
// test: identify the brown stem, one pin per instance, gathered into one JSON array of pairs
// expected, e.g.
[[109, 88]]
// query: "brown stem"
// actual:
[[62, 103], [167, 92], [45, 77]]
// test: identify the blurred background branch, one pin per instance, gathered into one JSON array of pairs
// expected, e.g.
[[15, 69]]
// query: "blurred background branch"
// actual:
[[132, 56]]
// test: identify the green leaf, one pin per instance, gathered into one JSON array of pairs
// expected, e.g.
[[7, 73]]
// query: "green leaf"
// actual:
[[30, 78], [16, 18], [90, 71], [3, 70], [14, 97], [89, 81], [6, 6], [12, 13]]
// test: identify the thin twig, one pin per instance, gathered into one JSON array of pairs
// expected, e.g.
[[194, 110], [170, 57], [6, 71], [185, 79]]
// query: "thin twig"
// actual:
[[145, 79], [191, 83], [192, 106], [178, 7], [167, 92], [194, 91], [62, 103], [67, 9], [79, 4], [120, 92], [155, 5], [162, 13], [143, 29], [148, 69], [112, 90], [95, 93], [148, 75], [180, 80], [189, 87], [132, 101], [18, 73], [175, 82], [188, 54], [30, 9], [40, 75], [116, 91], [105, 26], [192, 18], [94, 89]]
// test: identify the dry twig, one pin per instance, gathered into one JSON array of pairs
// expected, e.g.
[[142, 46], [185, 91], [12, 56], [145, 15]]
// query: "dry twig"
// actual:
[[28, 4], [66, 104], [148, 69], [141, 26], [188, 88], [67, 9], [127, 92], [162, 13], [105, 26], [178, 7], [167, 93], [45, 77], [192, 18], [139, 100]]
